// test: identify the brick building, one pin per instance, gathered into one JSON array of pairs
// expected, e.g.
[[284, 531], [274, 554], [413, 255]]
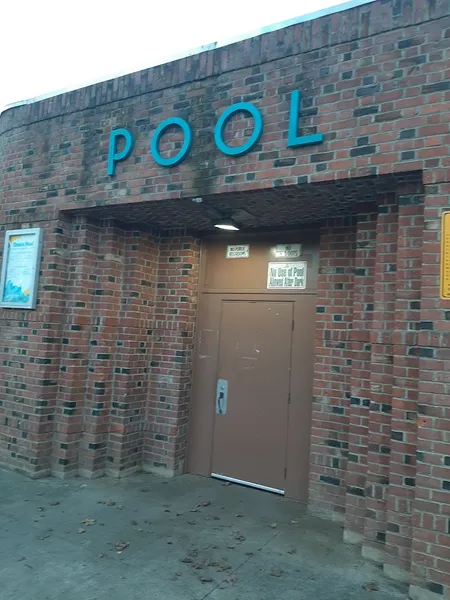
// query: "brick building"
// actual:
[[316, 363]]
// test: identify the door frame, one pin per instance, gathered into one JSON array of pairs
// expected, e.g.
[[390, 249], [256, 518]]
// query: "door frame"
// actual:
[[202, 406]]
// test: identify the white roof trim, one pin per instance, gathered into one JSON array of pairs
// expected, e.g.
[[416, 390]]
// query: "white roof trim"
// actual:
[[220, 44]]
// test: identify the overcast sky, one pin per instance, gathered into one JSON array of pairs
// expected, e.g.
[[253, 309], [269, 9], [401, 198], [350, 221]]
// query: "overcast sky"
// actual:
[[49, 45]]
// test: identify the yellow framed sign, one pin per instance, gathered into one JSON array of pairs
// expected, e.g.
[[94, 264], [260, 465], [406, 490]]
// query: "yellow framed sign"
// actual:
[[445, 256]]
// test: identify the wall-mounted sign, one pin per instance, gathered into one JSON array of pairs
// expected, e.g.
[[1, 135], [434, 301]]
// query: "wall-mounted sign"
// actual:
[[288, 275], [123, 138], [20, 268], [238, 251], [287, 250], [445, 256]]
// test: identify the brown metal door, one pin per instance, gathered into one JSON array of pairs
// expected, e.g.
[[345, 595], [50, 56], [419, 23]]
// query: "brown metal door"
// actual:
[[251, 419]]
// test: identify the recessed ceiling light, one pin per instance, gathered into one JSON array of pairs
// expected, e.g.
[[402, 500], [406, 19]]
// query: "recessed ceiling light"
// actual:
[[226, 225]]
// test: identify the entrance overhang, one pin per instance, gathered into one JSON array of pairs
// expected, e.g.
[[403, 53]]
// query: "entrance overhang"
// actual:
[[279, 207]]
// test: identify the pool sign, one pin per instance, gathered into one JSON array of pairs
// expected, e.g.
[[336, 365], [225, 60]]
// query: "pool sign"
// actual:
[[288, 275], [125, 137], [287, 250], [445, 256], [242, 251], [20, 268]]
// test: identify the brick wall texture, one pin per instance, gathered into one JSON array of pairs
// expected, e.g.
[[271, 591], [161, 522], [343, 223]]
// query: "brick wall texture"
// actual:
[[97, 379]]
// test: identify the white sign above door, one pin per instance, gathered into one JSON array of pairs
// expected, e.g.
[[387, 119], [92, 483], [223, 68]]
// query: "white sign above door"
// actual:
[[289, 275], [287, 250], [238, 251]]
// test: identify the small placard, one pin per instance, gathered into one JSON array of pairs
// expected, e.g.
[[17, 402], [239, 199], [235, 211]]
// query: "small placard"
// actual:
[[238, 251], [287, 250], [445, 256], [20, 268], [288, 275]]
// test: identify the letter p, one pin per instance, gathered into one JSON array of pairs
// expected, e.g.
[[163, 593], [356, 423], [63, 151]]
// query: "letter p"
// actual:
[[114, 156]]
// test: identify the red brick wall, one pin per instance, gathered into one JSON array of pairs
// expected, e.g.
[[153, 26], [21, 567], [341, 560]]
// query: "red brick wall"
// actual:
[[97, 379]]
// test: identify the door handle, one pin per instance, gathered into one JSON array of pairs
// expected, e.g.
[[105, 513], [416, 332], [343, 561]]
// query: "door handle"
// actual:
[[221, 397]]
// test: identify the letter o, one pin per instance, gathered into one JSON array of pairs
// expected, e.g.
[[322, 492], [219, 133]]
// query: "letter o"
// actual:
[[154, 148], [223, 120]]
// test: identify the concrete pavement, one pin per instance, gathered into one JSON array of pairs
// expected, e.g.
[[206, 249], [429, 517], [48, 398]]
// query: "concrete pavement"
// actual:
[[189, 538]]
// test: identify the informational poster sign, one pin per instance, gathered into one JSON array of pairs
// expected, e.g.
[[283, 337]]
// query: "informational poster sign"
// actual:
[[20, 268], [286, 275], [445, 256], [238, 251], [287, 250]]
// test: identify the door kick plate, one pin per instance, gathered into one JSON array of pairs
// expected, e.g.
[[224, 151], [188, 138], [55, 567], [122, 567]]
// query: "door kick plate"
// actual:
[[221, 397]]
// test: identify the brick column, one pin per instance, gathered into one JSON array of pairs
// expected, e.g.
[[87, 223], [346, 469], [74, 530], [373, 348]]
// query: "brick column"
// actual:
[[405, 388], [106, 282], [77, 318], [430, 561], [172, 349], [332, 370], [133, 348], [358, 411], [379, 434]]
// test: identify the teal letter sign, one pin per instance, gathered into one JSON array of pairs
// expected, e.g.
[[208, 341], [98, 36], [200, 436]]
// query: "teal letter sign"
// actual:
[[154, 148], [293, 139], [223, 120], [113, 155]]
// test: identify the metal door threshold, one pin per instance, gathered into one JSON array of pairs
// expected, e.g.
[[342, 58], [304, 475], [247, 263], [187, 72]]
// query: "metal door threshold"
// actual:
[[248, 484]]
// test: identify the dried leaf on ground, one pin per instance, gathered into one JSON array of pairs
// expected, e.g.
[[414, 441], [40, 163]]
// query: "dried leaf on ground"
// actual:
[[133, 522], [294, 522], [55, 503], [145, 489], [273, 525], [120, 507], [40, 508], [226, 483], [107, 502], [121, 546], [239, 515], [222, 568], [276, 573], [292, 551], [192, 522], [88, 522], [238, 536], [21, 558], [204, 503], [371, 586], [206, 579], [81, 531]]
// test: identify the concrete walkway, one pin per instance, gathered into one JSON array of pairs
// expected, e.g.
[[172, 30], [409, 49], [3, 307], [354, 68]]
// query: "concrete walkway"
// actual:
[[188, 538]]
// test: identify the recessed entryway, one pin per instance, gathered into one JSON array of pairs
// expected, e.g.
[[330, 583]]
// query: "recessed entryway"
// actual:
[[252, 384]]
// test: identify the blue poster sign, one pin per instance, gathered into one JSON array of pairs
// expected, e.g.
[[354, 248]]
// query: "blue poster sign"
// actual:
[[20, 268]]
